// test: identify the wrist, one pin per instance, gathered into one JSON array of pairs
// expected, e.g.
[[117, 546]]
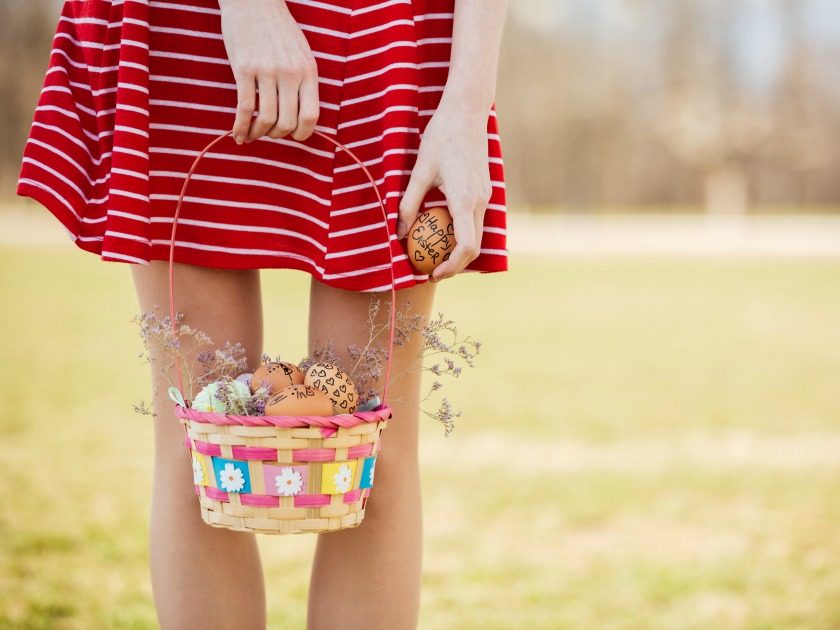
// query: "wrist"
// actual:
[[467, 100]]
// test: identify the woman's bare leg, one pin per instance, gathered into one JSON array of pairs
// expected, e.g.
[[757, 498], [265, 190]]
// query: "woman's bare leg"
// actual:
[[369, 576], [202, 576]]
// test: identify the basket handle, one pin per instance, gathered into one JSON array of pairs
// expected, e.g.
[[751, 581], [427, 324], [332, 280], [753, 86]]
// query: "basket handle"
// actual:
[[388, 249]]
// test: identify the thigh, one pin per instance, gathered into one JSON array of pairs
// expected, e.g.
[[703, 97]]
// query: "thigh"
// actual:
[[342, 316], [226, 304]]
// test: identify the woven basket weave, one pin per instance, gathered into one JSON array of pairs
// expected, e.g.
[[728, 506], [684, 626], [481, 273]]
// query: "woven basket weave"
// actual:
[[283, 474]]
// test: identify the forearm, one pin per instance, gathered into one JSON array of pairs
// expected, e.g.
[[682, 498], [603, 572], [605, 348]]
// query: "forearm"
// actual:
[[476, 40]]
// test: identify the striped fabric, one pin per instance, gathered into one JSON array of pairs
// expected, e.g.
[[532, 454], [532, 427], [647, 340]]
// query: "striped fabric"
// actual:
[[135, 89]]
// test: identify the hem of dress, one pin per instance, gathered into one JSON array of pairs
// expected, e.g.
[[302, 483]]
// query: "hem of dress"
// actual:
[[189, 257], [51, 203]]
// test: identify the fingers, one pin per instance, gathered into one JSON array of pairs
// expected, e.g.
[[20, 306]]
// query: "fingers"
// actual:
[[267, 115], [288, 104], [467, 210], [245, 101], [286, 121], [419, 183], [479, 228], [310, 106], [465, 250]]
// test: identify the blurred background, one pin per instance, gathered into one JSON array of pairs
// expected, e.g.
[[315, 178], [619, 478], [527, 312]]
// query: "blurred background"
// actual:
[[650, 438], [720, 106]]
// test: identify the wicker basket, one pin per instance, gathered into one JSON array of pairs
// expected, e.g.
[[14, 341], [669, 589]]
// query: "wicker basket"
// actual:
[[282, 474]]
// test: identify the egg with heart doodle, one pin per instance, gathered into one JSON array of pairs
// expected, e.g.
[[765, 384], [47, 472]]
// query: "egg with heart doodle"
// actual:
[[335, 383]]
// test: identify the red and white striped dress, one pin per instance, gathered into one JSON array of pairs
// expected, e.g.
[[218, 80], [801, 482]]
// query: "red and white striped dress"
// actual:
[[135, 89]]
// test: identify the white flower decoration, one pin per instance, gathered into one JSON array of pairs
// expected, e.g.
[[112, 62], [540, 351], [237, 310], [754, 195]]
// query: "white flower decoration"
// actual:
[[231, 479], [343, 478], [289, 482], [370, 472], [198, 471], [208, 398]]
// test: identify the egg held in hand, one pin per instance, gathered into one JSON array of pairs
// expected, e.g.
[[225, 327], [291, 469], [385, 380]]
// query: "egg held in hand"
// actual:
[[299, 400], [431, 239], [335, 383], [279, 376]]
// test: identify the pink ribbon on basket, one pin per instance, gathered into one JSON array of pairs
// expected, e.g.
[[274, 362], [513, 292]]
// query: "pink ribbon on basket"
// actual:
[[328, 425], [327, 428]]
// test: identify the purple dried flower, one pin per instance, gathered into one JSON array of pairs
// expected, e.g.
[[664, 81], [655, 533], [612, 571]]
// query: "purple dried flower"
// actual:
[[326, 354], [369, 360], [205, 357], [446, 416]]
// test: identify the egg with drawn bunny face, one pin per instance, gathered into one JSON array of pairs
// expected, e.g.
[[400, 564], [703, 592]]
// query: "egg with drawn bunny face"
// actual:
[[335, 383], [431, 239], [299, 400], [279, 376]]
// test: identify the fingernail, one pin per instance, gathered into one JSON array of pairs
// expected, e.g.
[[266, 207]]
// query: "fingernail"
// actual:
[[238, 139], [401, 228]]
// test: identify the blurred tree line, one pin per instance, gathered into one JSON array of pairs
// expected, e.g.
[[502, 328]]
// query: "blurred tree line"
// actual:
[[722, 104], [26, 31]]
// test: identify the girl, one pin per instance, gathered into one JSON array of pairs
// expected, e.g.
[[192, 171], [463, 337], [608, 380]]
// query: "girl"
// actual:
[[136, 88]]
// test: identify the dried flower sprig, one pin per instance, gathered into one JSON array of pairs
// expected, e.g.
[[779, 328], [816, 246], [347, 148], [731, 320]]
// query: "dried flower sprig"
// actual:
[[222, 365], [325, 354], [251, 405], [163, 348], [440, 337], [368, 361], [219, 364]]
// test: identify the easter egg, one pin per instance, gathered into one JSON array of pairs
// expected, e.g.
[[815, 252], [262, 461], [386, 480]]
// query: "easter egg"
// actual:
[[336, 384], [245, 379], [431, 239], [279, 376], [299, 400]]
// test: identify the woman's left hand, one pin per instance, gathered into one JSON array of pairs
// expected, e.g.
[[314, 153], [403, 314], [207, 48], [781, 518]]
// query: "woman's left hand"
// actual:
[[453, 156]]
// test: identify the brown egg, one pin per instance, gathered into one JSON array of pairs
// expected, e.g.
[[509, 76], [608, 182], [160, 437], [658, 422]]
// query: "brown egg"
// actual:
[[431, 239], [336, 384], [299, 400], [279, 376]]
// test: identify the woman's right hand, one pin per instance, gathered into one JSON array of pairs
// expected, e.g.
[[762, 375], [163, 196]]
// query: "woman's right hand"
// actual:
[[268, 51]]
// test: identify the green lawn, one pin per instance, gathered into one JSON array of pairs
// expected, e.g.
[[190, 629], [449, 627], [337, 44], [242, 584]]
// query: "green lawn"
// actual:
[[645, 443]]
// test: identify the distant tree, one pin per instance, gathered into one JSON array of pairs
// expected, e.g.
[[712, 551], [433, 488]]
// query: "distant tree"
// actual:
[[26, 32]]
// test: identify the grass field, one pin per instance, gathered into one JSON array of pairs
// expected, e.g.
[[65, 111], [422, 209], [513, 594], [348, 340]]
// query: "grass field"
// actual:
[[645, 443]]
